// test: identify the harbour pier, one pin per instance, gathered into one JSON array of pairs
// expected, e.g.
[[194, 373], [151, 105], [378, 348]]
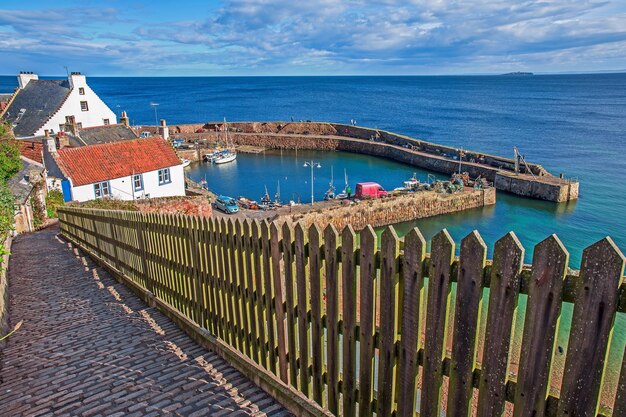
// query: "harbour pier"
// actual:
[[524, 179]]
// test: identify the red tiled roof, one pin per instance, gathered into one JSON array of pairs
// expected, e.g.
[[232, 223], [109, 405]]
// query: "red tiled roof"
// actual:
[[31, 150], [107, 161]]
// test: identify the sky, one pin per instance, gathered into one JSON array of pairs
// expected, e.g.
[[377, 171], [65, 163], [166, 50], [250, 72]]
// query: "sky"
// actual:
[[311, 37]]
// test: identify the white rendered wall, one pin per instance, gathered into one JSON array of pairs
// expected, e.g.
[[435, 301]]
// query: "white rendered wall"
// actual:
[[122, 188], [98, 110]]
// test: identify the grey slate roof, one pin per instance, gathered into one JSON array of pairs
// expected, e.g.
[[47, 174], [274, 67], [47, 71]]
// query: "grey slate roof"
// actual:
[[106, 134], [39, 100], [19, 184], [51, 165]]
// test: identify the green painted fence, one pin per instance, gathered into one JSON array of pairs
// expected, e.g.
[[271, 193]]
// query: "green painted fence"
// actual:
[[343, 320]]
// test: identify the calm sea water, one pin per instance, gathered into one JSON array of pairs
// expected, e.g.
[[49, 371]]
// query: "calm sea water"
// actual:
[[575, 124]]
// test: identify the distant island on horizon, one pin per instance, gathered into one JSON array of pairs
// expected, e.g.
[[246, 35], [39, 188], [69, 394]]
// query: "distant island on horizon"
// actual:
[[519, 73]]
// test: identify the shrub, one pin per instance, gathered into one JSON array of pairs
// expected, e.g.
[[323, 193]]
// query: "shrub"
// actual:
[[54, 200]]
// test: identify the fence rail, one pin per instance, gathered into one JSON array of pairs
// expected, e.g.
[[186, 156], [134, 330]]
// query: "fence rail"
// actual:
[[362, 328]]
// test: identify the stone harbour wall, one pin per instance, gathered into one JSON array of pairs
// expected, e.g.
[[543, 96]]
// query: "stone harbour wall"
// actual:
[[396, 209], [328, 136]]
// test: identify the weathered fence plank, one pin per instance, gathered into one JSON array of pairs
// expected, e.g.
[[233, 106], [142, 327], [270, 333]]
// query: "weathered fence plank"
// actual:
[[503, 295], [249, 292], [469, 295], [288, 255], [278, 303], [317, 333], [389, 316], [367, 319], [442, 254], [543, 310], [303, 309], [332, 317], [268, 295], [349, 304], [412, 284], [258, 286], [597, 294]]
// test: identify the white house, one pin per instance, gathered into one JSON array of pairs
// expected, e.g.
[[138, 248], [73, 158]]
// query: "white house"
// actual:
[[55, 105], [126, 170]]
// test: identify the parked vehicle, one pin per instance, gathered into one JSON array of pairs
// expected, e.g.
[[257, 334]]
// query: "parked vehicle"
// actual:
[[370, 190], [226, 204], [178, 142]]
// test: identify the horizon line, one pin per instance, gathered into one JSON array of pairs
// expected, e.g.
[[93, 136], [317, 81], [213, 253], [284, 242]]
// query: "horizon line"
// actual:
[[477, 74]]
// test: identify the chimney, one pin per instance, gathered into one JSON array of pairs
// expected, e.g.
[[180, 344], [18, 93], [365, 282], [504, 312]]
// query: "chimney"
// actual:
[[164, 131], [24, 77], [64, 141], [124, 119], [76, 80], [51, 143]]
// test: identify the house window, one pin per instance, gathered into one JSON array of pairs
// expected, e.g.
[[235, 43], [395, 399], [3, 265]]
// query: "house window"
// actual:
[[102, 189], [79, 125], [138, 182], [84, 106], [164, 176], [81, 91], [106, 122], [61, 128]]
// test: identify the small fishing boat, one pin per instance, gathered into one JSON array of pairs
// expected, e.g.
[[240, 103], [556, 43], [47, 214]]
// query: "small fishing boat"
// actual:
[[186, 162], [346, 190], [330, 193], [266, 200], [412, 184]]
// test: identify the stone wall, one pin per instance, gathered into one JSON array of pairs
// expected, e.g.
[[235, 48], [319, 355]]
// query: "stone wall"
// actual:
[[527, 186], [426, 155], [392, 210]]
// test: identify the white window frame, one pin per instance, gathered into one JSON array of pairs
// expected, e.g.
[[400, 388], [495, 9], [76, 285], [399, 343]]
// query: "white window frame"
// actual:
[[140, 178], [106, 122], [165, 176], [85, 107], [81, 91], [102, 189]]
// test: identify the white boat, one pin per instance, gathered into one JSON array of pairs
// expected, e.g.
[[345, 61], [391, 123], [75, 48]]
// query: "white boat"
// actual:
[[225, 157], [185, 162], [230, 154]]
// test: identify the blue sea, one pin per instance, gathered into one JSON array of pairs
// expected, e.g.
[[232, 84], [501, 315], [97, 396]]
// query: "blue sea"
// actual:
[[571, 124]]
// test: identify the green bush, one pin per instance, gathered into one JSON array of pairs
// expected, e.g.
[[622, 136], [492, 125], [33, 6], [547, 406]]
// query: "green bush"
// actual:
[[10, 162], [54, 200]]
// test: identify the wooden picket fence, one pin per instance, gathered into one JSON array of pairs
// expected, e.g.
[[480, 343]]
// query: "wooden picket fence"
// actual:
[[337, 316]]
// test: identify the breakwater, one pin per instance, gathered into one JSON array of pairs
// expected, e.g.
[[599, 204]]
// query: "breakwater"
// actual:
[[392, 210], [532, 181]]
